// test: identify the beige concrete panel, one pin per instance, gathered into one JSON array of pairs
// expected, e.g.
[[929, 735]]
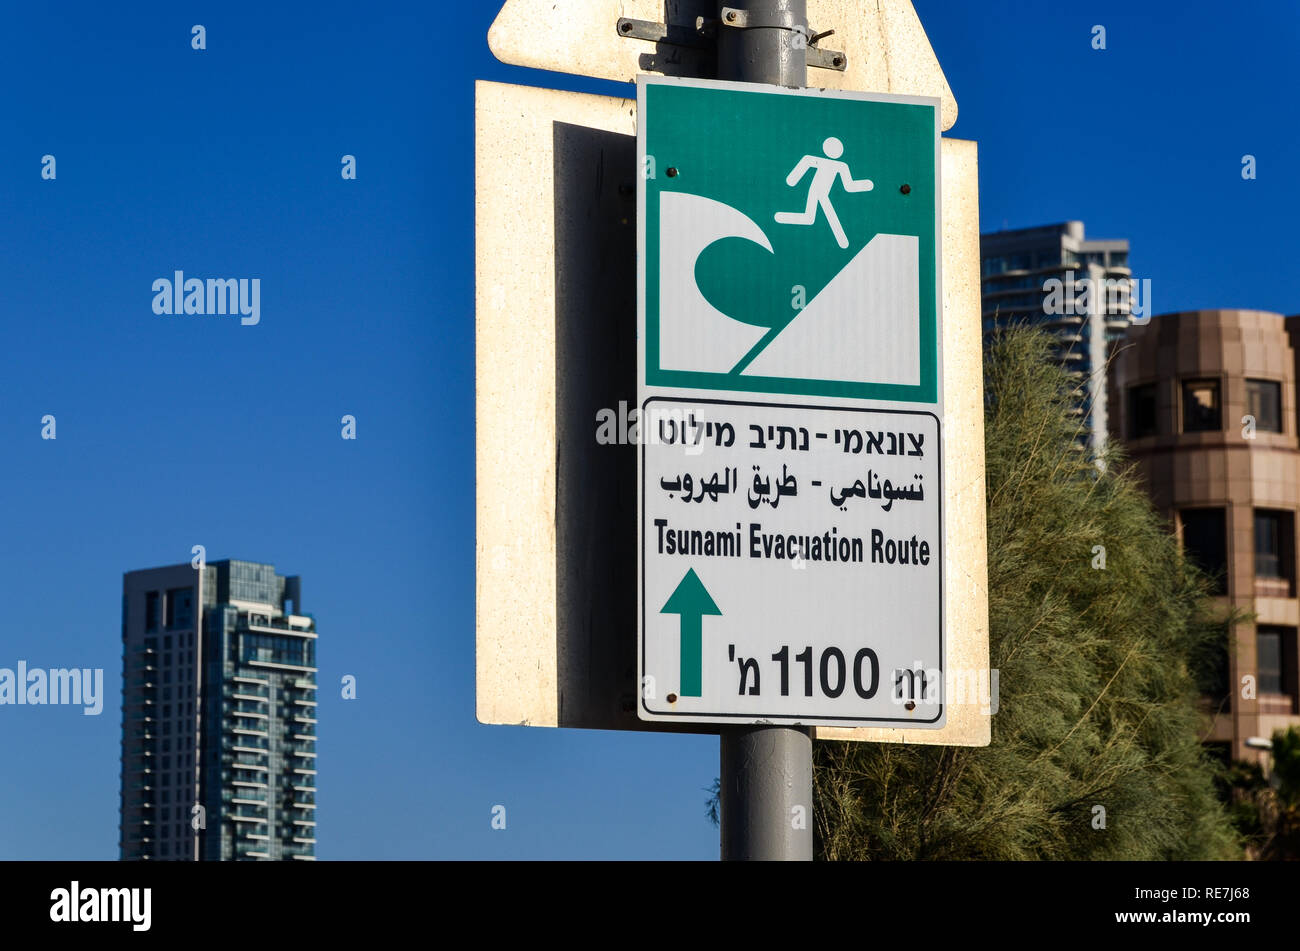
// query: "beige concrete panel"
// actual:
[[1277, 611], [1272, 723], [1270, 475], [884, 41], [516, 388]]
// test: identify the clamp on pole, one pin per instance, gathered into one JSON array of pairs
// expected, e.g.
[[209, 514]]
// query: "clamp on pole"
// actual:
[[701, 37], [785, 20], [748, 20]]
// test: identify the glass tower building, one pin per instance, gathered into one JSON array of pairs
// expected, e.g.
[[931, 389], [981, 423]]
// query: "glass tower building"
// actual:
[[218, 715], [1019, 270]]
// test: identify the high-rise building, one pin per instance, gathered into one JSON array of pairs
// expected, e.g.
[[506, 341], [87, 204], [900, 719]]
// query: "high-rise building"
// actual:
[[1209, 419], [218, 715], [1078, 289]]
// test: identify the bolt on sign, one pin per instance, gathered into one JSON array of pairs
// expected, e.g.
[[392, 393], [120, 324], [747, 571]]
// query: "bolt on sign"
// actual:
[[790, 386]]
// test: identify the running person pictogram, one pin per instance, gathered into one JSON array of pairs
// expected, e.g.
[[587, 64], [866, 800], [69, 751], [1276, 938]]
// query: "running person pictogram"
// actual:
[[819, 191]]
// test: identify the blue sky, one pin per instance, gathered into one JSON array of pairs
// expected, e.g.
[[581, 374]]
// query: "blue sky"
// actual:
[[175, 432]]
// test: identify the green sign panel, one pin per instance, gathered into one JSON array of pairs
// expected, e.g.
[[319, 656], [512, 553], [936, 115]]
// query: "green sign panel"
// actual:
[[789, 241]]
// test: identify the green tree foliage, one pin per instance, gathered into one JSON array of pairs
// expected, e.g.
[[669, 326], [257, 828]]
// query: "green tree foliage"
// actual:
[[1098, 669], [1285, 783], [1265, 807]]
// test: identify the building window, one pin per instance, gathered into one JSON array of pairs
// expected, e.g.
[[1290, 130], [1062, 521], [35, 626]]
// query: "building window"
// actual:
[[1279, 673], [1274, 554], [1268, 557], [1264, 402], [1142, 411], [1268, 652], [1202, 410], [151, 611], [180, 608], [1205, 544]]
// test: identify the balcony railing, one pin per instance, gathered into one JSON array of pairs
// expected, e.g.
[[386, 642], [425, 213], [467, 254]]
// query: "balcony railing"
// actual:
[[250, 686], [246, 788], [242, 747], [245, 762], [248, 813], [277, 624], [243, 739], [244, 694]]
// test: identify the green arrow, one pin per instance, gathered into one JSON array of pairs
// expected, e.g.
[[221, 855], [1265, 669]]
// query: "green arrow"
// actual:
[[692, 602]]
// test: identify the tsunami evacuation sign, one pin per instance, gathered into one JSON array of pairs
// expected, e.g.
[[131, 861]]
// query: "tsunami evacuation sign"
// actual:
[[791, 526]]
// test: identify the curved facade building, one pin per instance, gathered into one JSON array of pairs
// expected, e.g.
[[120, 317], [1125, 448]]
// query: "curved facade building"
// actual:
[[1207, 411]]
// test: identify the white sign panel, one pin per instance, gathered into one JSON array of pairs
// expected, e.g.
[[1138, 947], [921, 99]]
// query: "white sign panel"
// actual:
[[791, 529]]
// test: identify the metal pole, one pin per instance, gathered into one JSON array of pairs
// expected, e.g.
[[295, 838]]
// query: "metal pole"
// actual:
[[766, 794], [763, 41], [766, 771]]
